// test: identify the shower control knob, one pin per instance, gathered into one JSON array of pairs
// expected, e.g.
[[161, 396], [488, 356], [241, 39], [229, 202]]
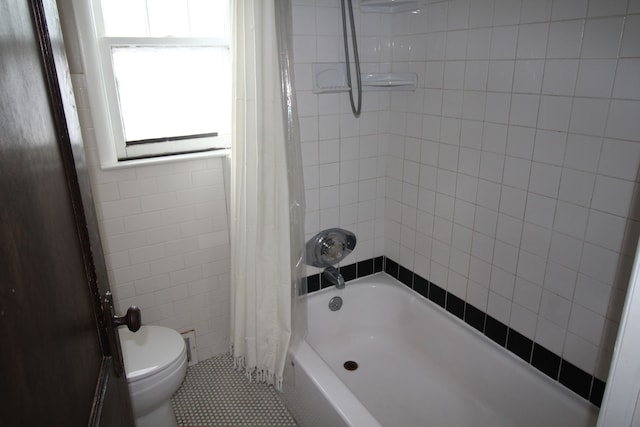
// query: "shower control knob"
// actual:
[[332, 248], [329, 247]]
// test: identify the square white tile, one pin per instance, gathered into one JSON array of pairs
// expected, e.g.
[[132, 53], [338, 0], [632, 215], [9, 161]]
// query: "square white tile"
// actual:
[[560, 76], [531, 267], [595, 77], [602, 37], [565, 39], [504, 42], [506, 12], [582, 152], [606, 230], [577, 187], [500, 76], [571, 219], [540, 210], [565, 250], [513, 201], [532, 41], [524, 110], [497, 107], [505, 256], [606, 7], [528, 76], [527, 294], [520, 142], [488, 194], [478, 43], [555, 308], [560, 280], [622, 122], [516, 172], [627, 83], [620, 159], [476, 73], [545, 179], [586, 324], [630, 46], [555, 112], [612, 195], [549, 147], [509, 229], [569, 9], [589, 116], [535, 11], [536, 239]]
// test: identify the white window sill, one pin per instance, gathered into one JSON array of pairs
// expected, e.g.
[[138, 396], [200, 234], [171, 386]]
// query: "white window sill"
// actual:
[[124, 164]]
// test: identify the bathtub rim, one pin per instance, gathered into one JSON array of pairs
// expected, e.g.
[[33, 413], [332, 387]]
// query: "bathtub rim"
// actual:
[[383, 279], [342, 400]]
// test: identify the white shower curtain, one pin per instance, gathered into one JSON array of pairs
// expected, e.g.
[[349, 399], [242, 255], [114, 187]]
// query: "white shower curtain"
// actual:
[[260, 235]]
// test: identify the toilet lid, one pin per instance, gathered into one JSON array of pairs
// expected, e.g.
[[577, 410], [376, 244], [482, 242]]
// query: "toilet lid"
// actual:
[[149, 350]]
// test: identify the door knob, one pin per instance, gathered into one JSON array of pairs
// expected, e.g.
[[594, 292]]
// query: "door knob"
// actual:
[[133, 318]]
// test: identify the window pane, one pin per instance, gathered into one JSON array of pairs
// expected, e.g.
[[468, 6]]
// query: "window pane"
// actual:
[[168, 18], [173, 91], [124, 18], [209, 18]]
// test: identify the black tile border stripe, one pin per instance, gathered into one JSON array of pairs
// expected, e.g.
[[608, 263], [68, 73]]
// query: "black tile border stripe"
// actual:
[[575, 379]]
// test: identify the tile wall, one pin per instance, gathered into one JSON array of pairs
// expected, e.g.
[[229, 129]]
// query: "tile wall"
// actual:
[[165, 236], [512, 174], [164, 231], [509, 177], [344, 157]]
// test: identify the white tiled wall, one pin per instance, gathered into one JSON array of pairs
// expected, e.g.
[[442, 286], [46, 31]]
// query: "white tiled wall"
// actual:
[[164, 231], [509, 175], [165, 236], [344, 157], [524, 158]]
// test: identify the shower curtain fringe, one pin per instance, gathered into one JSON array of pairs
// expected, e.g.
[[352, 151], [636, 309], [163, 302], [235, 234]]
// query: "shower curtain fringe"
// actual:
[[259, 375]]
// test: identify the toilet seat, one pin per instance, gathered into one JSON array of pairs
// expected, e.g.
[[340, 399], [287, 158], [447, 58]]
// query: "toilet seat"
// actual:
[[150, 350]]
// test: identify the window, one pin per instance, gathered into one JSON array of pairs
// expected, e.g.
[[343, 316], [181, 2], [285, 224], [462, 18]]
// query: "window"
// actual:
[[158, 75]]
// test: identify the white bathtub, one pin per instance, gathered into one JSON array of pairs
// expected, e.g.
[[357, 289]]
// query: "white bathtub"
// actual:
[[418, 366]]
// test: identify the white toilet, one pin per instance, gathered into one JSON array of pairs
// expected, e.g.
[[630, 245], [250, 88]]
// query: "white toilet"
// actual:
[[155, 361]]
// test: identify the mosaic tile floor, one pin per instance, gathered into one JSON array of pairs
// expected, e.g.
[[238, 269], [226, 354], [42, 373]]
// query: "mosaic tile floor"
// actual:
[[213, 394]]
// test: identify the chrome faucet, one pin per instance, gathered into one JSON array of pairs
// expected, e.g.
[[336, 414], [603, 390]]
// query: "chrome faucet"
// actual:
[[334, 277]]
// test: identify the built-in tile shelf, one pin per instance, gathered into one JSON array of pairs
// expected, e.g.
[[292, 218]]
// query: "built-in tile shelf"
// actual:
[[554, 366], [389, 6], [389, 81], [332, 78]]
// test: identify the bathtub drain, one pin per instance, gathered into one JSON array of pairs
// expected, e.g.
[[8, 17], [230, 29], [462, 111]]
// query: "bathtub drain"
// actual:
[[335, 303], [350, 365]]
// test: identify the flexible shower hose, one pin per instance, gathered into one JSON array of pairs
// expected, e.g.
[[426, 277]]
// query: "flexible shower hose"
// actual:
[[356, 110]]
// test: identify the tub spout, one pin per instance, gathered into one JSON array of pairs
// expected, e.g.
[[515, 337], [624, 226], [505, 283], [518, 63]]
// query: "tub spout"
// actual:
[[334, 277]]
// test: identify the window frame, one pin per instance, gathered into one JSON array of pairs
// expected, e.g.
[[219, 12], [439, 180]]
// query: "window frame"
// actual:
[[102, 91]]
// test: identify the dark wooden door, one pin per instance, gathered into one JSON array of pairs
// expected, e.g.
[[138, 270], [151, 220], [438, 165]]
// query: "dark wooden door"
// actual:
[[57, 366]]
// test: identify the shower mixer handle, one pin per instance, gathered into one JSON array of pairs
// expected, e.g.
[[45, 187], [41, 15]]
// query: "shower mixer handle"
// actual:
[[329, 247]]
